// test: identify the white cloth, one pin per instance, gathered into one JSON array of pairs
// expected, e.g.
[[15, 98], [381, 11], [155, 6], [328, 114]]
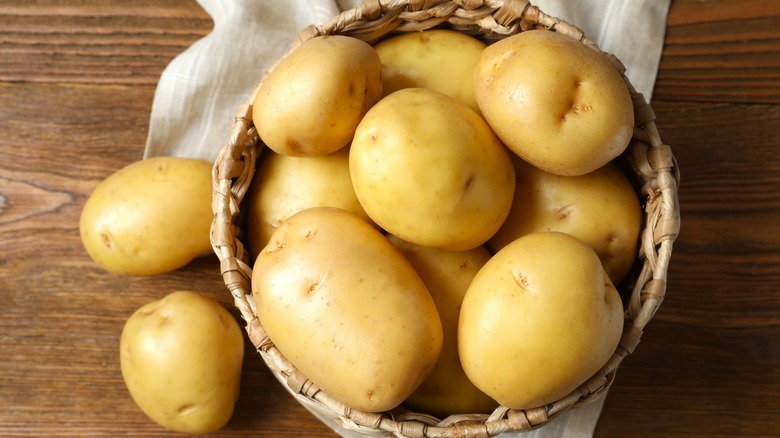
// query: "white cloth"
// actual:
[[199, 92]]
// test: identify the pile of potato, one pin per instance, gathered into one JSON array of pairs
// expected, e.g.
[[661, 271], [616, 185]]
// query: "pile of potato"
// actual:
[[435, 223]]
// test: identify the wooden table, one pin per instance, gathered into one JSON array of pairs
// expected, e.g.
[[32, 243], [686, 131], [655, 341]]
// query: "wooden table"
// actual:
[[77, 78]]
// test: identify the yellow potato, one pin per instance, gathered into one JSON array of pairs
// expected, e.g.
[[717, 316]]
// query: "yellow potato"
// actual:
[[344, 306], [311, 101], [286, 185], [447, 275], [429, 170], [600, 208], [539, 319], [556, 103], [150, 217], [438, 59], [181, 360]]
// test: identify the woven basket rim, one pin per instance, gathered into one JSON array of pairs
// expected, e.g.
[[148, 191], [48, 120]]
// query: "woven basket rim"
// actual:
[[652, 162]]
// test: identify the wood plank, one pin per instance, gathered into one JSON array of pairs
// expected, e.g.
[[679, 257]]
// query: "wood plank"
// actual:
[[77, 80], [712, 347], [60, 321], [709, 55], [89, 42], [695, 380], [721, 51]]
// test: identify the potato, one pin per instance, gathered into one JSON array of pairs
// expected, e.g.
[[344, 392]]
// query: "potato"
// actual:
[[150, 217], [181, 359], [447, 275], [310, 102], [286, 185], [438, 59], [539, 319], [556, 103], [343, 305], [600, 208], [429, 170]]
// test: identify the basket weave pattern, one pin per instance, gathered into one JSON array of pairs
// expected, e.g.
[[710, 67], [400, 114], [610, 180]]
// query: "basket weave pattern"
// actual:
[[654, 171]]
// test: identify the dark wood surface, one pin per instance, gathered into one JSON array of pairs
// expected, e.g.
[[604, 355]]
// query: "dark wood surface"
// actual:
[[77, 78]]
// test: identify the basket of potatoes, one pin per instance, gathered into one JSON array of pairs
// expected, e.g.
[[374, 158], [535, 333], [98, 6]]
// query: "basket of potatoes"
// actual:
[[445, 218]]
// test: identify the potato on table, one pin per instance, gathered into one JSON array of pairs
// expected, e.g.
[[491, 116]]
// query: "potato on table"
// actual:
[[181, 359], [150, 217]]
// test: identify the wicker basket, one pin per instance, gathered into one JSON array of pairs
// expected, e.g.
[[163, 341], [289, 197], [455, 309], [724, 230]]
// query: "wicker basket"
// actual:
[[648, 160]]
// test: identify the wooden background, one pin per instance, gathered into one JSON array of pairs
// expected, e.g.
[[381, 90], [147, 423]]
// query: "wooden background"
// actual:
[[77, 78]]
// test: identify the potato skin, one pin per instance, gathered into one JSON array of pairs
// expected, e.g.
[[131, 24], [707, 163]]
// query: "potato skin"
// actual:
[[437, 59], [600, 208], [538, 320], [447, 275], [181, 359], [429, 170], [342, 304], [150, 217], [556, 103], [310, 102], [285, 185]]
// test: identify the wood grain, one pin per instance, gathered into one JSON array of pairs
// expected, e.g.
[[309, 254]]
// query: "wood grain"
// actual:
[[77, 79], [95, 41], [714, 341], [61, 315], [721, 51]]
